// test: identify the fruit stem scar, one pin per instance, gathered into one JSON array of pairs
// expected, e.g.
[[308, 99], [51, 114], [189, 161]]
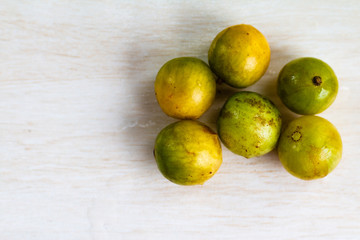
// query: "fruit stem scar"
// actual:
[[317, 80], [296, 136]]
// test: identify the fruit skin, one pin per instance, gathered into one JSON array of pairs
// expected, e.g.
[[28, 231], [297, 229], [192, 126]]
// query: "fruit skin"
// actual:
[[188, 152], [299, 89], [239, 55], [185, 87], [310, 147], [249, 124]]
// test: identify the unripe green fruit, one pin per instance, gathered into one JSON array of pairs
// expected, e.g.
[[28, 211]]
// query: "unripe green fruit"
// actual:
[[307, 86], [249, 124], [188, 152]]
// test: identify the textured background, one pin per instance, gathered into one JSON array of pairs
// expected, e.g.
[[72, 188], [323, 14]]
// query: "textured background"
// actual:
[[78, 120]]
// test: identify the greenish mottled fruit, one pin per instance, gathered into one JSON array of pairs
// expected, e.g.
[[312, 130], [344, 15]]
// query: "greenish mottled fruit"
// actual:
[[249, 124], [307, 86], [188, 152], [310, 147], [239, 55], [185, 87]]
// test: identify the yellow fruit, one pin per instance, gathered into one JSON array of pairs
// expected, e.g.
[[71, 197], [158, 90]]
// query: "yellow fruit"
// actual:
[[185, 88], [239, 55], [310, 147]]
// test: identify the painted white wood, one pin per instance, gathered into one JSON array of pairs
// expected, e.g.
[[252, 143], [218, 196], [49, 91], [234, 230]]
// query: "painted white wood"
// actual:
[[78, 120]]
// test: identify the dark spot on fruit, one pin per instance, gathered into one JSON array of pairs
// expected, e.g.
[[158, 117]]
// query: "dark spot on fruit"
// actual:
[[210, 172], [247, 33], [190, 153], [254, 103], [317, 80], [257, 146], [227, 114], [250, 101], [260, 120], [271, 122], [296, 136], [207, 130]]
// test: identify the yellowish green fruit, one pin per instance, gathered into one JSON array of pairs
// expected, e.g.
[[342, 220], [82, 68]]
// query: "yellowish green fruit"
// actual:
[[188, 152], [185, 88], [249, 124], [239, 55], [310, 147], [307, 85]]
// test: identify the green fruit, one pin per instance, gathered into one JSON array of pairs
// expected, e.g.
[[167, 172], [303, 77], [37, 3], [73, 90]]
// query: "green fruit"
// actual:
[[307, 86], [310, 147], [249, 124], [239, 55], [188, 152], [185, 88]]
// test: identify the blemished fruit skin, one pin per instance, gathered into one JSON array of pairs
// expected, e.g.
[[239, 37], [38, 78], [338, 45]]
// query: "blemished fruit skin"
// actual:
[[185, 88], [239, 55], [188, 152], [249, 124], [310, 147], [307, 86]]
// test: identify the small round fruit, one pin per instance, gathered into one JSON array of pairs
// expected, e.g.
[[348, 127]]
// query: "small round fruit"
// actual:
[[188, 152], [249, 124], [310, 147], [185, 87], [307, 86], [239, 55]]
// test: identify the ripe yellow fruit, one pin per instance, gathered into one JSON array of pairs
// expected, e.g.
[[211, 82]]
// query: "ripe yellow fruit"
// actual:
[[239, 55], [310, 147], [185, 87]]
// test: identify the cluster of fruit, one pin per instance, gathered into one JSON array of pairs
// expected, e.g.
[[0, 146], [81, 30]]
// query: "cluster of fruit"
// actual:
[[188, 152]]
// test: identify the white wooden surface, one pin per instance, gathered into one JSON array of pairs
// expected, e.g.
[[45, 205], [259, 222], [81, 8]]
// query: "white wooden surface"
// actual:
[[78, 119]]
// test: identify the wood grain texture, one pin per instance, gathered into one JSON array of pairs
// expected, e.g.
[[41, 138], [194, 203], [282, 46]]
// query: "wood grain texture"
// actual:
[[78, 120]]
